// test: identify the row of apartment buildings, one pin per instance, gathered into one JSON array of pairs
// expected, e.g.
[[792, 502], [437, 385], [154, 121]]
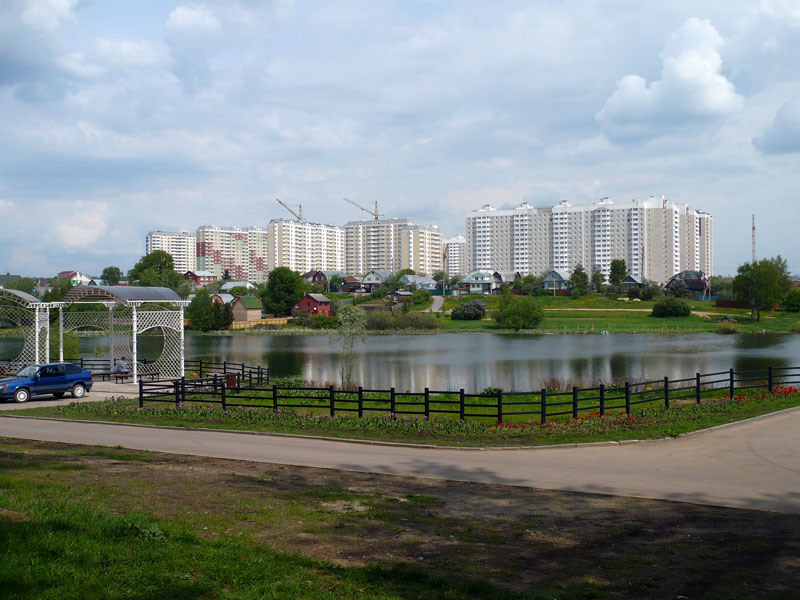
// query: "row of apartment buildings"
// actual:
[[656, 238], [355, 248]]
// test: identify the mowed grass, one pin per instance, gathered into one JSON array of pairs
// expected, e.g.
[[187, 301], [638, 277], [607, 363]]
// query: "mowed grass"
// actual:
[[87, 522], [648, 420]]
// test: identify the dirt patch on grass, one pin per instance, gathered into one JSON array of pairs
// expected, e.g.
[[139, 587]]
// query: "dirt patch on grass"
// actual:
[[520, 539]]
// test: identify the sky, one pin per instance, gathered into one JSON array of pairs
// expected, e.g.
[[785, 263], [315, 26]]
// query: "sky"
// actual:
[[123, 117]]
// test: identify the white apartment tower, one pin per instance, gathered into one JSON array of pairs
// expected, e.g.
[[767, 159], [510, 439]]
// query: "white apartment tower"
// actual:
[[392, 244], [243, 252], [455, 256], [656, 238], [179, 244], [303, 246]]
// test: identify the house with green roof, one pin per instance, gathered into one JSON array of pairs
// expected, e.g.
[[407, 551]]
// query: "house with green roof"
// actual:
[[246, 308]]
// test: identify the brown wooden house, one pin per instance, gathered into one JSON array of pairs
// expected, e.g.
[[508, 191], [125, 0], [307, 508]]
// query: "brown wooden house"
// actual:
[[314, 304]]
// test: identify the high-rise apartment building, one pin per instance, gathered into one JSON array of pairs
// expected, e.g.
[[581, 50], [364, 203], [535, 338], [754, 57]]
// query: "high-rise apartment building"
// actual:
[[181, 245], [303, 246], [455, 256], [656, 238], [393, 245], [241, 252]]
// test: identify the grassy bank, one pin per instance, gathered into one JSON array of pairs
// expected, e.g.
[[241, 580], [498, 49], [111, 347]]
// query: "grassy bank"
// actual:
[[648, 421], [91, 523]]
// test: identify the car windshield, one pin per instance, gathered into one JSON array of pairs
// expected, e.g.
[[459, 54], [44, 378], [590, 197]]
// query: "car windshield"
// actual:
[[29, 371]]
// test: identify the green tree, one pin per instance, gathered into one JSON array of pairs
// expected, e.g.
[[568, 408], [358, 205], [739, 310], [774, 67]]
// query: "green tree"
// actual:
[[284, 289], [420, 296], [761, 285], [791, 301], [58, 289], [393, 284], [156, 269], [530, 285], [200, 311], [226, 275], [579, 281], [222, 316], [438, 277], [406, 272], [352, 328], [520, 312], [111, 275], [618, 272], [335, 283], [598, 280], [238, 291], [454, 279], [23, 284]]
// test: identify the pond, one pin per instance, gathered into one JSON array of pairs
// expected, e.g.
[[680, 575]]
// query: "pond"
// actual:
[[477, 361]]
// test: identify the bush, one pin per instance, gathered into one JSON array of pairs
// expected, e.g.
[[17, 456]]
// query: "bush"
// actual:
[[520, 312], [323, 322], [474, 310], [670, 306], [727, 327], [420, 296], [791, 301], [383, 320], [634, 293], [650, 292], [795, 327]]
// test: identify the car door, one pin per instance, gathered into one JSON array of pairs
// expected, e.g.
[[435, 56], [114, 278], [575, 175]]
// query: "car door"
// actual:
[[43, 381], [58, 380]]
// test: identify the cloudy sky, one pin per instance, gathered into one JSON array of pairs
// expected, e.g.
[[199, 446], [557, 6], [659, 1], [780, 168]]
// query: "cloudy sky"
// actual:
[[120, 117]]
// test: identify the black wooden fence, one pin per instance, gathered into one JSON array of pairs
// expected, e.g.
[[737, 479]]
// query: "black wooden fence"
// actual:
[[255, 391]]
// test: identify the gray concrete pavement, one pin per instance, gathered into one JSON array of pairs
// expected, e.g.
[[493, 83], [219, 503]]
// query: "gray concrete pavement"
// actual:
[[752, 465], [100, 391]]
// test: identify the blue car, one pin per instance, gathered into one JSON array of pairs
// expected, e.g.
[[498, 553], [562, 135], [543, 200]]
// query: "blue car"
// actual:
[[54, 379]]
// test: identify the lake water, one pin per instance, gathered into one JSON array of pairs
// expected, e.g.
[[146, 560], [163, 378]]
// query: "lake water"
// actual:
[[477, 361]]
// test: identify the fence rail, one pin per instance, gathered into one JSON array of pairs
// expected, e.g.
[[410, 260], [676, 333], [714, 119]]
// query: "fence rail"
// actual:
[[249, 387]]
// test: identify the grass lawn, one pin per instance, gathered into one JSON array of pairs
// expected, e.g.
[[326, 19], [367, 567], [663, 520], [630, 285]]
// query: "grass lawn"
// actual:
[[104, 523], [647, 421]]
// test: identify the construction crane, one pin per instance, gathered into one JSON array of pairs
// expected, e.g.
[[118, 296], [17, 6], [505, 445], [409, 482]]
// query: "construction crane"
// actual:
[[374, 213], [298, 215]]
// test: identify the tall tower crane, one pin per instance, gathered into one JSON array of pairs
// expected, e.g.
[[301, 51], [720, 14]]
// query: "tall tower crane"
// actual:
[[374, 213], [298, 215]]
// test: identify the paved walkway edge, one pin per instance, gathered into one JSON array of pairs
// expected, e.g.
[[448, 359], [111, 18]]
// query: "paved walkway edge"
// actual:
[[407, 445]]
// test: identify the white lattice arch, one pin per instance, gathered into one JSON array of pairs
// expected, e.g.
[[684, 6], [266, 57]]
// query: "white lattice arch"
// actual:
[[33, 317]]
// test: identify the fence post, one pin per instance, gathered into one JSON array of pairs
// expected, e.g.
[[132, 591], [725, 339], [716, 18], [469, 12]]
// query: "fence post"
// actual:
[[732, 383], [332, 399], [627, 398], [427, 403], [697, 388], [200, 368], [575, 402], [183, 389], [215, 384], [666, 392], [238, 380], [602, 399], [543, 409], [141, 394], [274, 398], [224, 398], [225, 367], [770, 380], [393, 402], [500, 405], [461, 405], [360, 402], [176, 385], [250, 375]]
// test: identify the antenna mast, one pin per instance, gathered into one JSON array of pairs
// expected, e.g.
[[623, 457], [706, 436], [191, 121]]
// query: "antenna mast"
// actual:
[[754, 238]]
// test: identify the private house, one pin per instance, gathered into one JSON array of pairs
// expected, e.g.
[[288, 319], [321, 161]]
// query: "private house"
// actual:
[[505, 279], [229, 285], [222, 298], [246, 308], [375, 279], [479, 282], [314, 304], [351, 284], [322, 278], [199, 278], [400, 296], [76, 278], [631, 282], [418, 282], [556, 280], [695, 281]]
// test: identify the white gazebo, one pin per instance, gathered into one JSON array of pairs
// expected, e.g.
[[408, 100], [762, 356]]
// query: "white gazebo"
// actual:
[[32, 317]]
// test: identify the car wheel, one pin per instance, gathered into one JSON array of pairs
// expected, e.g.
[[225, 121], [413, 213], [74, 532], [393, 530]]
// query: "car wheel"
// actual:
[[58, 395], [22, 395], [78, 390]]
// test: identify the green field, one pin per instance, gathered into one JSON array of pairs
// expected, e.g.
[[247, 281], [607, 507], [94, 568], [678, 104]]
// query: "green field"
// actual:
[[100, 523]]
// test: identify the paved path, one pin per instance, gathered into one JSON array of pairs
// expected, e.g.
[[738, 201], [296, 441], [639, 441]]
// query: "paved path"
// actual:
[[750, 465], [437, 302]]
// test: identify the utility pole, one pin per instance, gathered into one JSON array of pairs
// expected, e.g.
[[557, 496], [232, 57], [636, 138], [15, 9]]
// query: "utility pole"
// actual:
[[754, 239]]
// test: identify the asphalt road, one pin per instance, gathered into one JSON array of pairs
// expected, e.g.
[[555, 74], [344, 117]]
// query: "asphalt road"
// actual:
[[753, 465]]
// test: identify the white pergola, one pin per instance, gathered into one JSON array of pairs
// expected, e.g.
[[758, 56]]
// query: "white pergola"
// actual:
[[32, 316], [130, 312]]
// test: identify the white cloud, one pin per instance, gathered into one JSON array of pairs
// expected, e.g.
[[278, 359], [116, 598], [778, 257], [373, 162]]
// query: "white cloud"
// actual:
[[783, 134], [783, 9], [692, 90], [81, 224]]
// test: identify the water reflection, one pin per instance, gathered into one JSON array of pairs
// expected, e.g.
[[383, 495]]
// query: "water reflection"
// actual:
[[477, 361]]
